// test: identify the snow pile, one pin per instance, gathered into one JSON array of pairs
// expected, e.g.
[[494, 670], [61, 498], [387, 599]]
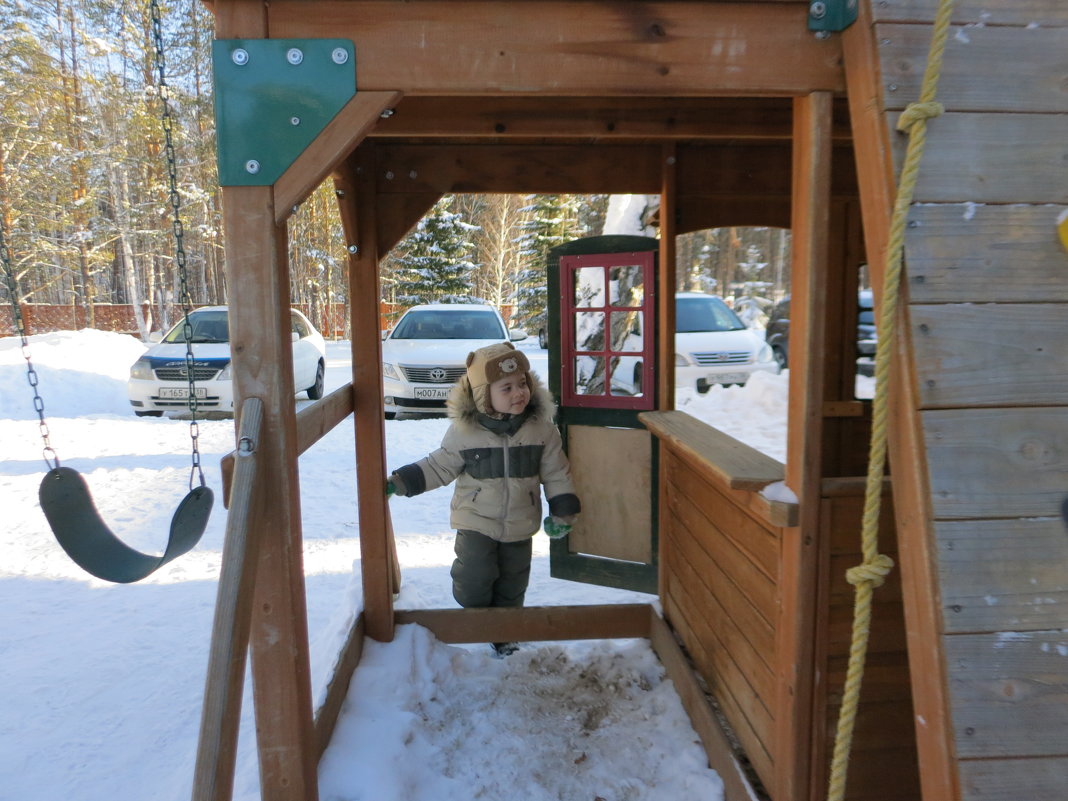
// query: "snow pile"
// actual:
[[754, 413], [432, 722], [79, 373]]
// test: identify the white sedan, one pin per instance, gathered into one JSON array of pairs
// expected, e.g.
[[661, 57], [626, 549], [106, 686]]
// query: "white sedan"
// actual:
[[425, 354], [159, 380]]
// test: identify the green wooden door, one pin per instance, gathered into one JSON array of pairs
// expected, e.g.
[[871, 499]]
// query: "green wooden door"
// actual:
[[602, 373]]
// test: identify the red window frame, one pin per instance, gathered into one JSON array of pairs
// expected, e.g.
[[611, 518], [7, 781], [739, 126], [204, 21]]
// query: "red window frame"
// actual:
[[568, 352]]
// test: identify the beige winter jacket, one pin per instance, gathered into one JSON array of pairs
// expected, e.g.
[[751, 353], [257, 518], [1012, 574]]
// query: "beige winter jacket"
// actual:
[[499, 467]]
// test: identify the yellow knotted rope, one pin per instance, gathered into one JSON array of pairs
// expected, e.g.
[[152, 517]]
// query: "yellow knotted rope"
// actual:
[[875, 567]]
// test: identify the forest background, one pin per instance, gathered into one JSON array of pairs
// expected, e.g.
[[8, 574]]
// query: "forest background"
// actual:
[[87, 209]]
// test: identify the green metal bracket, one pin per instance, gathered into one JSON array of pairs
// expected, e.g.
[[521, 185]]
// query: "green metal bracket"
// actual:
[[831, 16], [272, 98]]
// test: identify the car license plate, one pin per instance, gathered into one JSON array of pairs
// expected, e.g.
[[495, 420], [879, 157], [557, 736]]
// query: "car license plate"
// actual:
[[728, 378], [181, 392], [432, 393]]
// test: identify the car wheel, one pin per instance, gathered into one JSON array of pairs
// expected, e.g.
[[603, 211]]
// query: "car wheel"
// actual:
[[150, 413], [543, 338], [315, 391], [780, 356]]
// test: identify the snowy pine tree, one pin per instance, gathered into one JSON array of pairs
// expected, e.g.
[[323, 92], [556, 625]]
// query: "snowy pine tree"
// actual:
[[554, 219], [431, 264]]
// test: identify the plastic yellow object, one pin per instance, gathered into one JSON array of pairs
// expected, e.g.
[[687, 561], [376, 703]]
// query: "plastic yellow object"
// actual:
[[1062, 228]]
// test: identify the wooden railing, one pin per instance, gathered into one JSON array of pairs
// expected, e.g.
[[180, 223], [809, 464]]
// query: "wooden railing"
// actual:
[[720, 555]]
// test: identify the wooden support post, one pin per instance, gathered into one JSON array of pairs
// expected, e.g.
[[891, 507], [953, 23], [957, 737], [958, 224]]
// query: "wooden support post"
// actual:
[[256, 259], [794, 645], [257, 267], [356, 187], [665, 285], [939, 780]]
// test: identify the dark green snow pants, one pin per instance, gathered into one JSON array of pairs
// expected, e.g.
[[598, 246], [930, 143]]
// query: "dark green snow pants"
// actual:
[[490, 573]]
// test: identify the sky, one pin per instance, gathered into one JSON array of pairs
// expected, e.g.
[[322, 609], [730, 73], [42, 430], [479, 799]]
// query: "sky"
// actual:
[[102, 684]]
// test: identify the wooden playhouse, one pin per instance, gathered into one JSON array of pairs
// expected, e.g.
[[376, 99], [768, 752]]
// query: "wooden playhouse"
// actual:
[[736, 113]]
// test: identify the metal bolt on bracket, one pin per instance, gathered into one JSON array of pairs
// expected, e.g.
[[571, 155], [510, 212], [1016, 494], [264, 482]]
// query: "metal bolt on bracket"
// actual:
[[818, 9], [252, 166], [294, 120], [239, 56], [340, 55], [387, 113], [294, 55], [354, 249]]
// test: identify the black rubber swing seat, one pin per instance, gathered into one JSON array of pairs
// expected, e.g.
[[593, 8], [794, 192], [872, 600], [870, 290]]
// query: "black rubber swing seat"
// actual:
[[85, 537]]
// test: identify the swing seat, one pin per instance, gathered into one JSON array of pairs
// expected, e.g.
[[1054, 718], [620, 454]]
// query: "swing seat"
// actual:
[[85, 537]]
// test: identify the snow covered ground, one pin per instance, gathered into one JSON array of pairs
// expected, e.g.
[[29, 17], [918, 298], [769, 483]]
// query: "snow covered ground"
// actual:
[[101, 684]]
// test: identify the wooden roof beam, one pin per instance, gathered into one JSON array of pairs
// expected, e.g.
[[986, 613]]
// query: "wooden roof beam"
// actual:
[[735, 118], [572, 47]]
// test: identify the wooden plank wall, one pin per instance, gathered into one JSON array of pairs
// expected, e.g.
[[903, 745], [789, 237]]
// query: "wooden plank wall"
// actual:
[[719, 587], [883, 764], [988, 287]]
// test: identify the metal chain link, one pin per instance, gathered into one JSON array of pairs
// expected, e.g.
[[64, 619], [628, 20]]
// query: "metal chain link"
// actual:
[[176, 204], [50, 457]]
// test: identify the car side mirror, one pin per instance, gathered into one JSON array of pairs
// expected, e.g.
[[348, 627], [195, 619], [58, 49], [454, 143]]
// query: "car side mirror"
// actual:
[[385, 334], [155, 336], [517, 334], [294, 336]]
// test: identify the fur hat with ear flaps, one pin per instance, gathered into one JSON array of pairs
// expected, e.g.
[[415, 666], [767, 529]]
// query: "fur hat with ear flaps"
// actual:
[[490, 364]]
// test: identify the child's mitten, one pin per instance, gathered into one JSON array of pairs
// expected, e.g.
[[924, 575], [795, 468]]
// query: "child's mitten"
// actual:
[[391, 489], [555, 527]]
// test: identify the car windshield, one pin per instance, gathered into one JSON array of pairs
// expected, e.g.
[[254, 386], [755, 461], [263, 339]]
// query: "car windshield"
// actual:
[[704, 314], [208, 326], [441, 324]]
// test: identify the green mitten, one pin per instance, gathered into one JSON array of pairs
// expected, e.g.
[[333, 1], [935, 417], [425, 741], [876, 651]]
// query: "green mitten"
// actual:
[[555, 528], [391, 489]]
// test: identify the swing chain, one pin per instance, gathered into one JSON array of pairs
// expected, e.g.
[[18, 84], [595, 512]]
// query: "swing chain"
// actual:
[[49, 454], [179, 233]]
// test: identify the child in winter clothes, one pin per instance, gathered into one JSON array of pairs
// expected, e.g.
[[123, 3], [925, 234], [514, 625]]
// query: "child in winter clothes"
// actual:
[[501, 447]]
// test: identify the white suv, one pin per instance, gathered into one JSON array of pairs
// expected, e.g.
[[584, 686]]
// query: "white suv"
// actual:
[[425, 353], [712, 346]]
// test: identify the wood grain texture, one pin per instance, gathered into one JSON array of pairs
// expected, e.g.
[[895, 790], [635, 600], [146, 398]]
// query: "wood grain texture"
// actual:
[[1045, 13], [912, 491], [356, 203], [531, 623], [732, 463], [333, 144], [991, 354], [736, 786], [338, 686], [1000, 575], [734, 118], [556, 47], [1013, 779], [612, 472], [722, 678], [256, 260], [316, 420], [810, 271], [971, 253], [220, 719], [997, 462], [1010, 693], [991, 158], [974, 75], [748, 532], [553, 168], [725, 597]]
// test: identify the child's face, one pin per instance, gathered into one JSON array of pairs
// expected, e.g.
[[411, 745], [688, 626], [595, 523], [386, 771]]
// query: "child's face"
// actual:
[[510, 395]]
